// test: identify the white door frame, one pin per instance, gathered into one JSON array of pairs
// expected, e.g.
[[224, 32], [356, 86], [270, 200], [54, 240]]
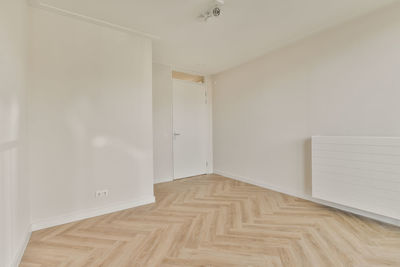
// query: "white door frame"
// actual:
[[209, 143]]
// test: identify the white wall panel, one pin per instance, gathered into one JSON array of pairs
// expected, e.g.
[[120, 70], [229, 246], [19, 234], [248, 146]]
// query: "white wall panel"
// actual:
[[14, 181], [90, 118], [162, 123]]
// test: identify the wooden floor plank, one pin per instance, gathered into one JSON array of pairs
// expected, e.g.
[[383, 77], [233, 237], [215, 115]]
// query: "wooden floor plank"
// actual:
[[215, 221]]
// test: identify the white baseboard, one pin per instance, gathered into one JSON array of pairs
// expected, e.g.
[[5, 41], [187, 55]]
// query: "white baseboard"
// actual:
[[370, 215], [89, 213], [162, 180], [260, 184], [21, 250]]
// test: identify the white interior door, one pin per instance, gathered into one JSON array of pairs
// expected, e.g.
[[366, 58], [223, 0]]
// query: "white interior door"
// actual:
[[190, 129]]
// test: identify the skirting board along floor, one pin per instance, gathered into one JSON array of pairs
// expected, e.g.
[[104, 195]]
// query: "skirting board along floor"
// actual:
[[166, 180], [216, 221], [89, 213], [309, 198]]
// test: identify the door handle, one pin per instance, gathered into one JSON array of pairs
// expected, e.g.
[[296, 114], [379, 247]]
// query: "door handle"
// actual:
[[177, 134]]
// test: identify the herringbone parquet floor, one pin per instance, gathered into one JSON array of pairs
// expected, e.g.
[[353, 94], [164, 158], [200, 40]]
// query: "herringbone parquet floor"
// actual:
[[215, 221]]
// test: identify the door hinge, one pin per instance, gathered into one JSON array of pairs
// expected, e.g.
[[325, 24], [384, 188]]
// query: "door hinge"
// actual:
[[205, 94]]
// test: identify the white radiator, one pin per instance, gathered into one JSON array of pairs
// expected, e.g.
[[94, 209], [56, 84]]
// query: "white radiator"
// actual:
[[358, 172]]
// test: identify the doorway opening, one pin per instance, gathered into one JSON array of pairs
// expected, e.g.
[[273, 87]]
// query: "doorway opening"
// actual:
[[190, 125]]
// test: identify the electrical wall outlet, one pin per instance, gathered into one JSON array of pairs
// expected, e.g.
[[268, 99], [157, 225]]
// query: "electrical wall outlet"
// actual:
[[101, 193]]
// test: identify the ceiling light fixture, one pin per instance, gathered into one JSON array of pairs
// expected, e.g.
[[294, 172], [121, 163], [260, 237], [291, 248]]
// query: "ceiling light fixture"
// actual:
[[214, 11]]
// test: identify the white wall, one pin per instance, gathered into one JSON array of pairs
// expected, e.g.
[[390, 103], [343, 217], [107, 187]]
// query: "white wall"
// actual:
[[210, 152], [344, 81], [90, 119], [14, 183], [162, 123]]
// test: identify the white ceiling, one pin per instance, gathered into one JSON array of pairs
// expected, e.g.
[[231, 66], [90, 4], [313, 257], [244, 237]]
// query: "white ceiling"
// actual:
[[247, 29]]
